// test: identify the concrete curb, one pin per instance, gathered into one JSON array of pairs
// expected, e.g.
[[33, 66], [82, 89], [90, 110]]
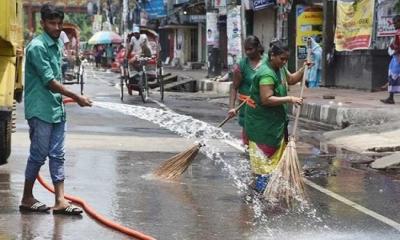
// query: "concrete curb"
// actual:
[[343, 116], [334, 114], [206, 85]]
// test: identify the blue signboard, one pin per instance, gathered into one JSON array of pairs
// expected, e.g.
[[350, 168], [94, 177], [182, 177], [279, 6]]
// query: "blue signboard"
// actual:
[[261, 4], [155, 8]]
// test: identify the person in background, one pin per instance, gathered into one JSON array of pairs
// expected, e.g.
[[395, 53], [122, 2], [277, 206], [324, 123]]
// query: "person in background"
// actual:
[[64, 65], [45, 112], [243, 75], [109, 54], [98, 52], [314, 73], [266, 117], [394, 66], [139, 44]]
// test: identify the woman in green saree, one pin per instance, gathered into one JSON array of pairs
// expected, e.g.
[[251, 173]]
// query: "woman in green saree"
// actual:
[[266, 117], [243, 74]]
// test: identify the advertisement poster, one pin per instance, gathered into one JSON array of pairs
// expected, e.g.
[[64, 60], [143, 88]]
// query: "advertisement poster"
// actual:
[[384, 15], [309, 21], [234, 35], [212, 29], [354, 25]]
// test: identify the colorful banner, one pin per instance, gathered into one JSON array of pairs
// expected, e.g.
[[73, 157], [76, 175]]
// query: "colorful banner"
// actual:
[[309, 21], [384, 16], [354, 25], [234, 33]]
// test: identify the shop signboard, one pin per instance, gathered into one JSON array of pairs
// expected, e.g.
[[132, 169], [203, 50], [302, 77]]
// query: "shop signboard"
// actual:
[[155, 9]]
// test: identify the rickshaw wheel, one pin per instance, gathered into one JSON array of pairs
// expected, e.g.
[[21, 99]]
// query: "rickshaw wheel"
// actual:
[[143, 88], [160, 82], [81, 79], [121, 87]]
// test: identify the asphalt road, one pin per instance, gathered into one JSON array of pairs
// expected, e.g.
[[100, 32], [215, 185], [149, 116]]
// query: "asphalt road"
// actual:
[[112, 149]]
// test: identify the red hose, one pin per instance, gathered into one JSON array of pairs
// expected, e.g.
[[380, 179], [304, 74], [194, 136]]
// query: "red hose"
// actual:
[[98, 217], [68, 100], [90, 210]]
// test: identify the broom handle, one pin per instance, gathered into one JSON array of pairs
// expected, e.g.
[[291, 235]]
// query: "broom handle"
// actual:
[[229, 117], [303, 83]]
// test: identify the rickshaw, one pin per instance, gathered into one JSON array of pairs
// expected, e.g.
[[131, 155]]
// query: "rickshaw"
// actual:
[[146, 73], [73, 69]]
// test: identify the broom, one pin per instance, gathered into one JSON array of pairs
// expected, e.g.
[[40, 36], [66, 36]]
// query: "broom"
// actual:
[[177, 165], [286, 184]]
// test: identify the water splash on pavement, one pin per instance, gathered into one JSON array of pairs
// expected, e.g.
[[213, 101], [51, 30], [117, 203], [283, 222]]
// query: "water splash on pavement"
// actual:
[[237, 167]]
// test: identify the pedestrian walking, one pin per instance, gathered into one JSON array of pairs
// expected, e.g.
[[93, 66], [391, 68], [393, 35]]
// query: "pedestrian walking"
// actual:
[[314, 73], [266, 117], [394, 66], [243, 75], [45, 112], [98, 54]]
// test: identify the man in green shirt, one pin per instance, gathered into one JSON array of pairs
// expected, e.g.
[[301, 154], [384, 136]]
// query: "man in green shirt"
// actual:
[[45, 112]]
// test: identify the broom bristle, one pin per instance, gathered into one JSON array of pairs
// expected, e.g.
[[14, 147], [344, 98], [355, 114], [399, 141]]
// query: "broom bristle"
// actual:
[[177, 165], [286, 184]]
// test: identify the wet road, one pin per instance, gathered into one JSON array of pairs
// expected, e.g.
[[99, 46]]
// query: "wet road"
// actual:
[[112, 149]]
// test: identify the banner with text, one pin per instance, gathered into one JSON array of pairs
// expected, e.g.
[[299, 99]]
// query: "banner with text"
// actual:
[[354, 25], [234, 35]]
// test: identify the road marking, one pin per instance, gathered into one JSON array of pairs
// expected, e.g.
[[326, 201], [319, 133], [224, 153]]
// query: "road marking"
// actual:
[[336, 196], [352, 204]]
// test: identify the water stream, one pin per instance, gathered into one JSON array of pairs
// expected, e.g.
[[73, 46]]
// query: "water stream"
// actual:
[[237, 167]]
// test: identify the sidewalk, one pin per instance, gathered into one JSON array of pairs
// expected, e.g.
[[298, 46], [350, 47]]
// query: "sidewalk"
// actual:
[[365, 125]]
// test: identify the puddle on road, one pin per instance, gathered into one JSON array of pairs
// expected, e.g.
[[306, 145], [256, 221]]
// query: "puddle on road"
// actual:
[[237, 167]]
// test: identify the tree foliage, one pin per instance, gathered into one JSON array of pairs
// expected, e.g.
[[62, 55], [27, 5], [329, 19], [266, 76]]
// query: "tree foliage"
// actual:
[[83, 21], [397, 6]]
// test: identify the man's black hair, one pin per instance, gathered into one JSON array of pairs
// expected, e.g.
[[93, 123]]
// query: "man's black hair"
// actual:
[[50, 12]]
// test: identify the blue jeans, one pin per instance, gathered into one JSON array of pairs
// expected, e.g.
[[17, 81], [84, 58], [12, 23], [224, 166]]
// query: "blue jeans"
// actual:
[[47, 140]]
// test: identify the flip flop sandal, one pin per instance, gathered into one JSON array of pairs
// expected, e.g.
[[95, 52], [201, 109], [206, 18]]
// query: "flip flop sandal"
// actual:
[[36, 207], [70, 210]]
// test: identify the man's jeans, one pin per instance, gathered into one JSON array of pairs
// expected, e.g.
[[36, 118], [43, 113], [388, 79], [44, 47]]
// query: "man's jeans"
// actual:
[[47, 140]]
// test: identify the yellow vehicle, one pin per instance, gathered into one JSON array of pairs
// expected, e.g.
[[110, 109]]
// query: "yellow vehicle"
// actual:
[[11, 56]]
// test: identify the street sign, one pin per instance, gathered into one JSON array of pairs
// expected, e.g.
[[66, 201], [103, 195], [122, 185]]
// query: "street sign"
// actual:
[[197, 18], [261, 4]]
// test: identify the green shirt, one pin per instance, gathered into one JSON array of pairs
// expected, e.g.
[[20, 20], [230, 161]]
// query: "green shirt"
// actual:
[[43, 64], [266, 125], [248, 74]]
